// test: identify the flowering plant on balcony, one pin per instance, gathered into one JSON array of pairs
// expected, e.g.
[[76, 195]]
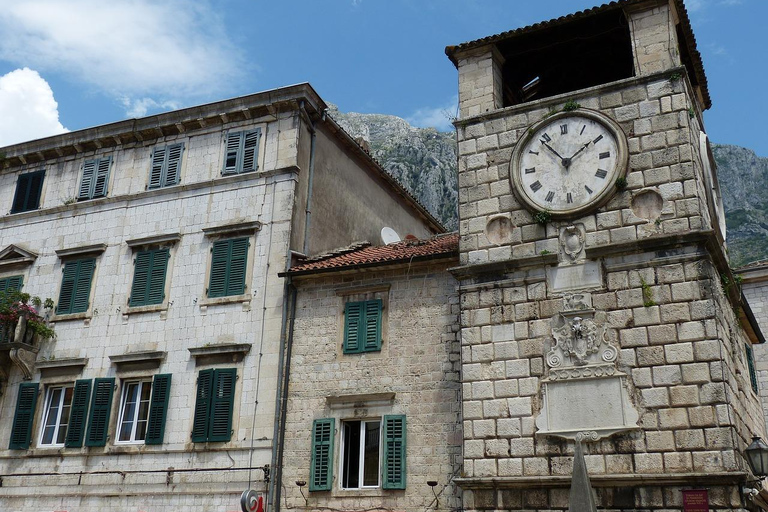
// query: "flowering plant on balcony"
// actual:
[[14, 306]]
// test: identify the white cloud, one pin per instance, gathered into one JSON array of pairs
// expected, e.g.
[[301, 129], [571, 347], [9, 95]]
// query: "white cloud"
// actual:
[[27, 108], [436, 117], [144, 53]]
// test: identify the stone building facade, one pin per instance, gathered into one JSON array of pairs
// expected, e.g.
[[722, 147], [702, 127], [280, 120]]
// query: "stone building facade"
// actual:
[[160, 241], [409, 373], [615, 326], [755, 292]]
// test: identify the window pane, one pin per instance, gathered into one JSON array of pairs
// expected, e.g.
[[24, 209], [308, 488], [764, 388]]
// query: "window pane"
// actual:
[[141, 421], [129, 411], [351, 457], [64, 415], [371, 455], [52, 415]]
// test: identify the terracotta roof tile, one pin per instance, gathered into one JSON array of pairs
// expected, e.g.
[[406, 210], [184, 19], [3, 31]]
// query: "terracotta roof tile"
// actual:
[[406, 250]]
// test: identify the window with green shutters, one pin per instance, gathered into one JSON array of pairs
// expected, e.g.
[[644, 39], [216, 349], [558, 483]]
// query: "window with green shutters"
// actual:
[[242, 153], [8, 284], [101, 405], [229, 260], [29, 187], [166, 165], [362, 326], [21, 431], [143, 409], [321, 468], [213, 405], [158, 409], [95, 178], [751, 366], [149, 272], [76, 286]]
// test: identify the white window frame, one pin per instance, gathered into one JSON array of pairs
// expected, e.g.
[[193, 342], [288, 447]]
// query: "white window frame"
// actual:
[[123, 397], [361, 461], [47, 410]]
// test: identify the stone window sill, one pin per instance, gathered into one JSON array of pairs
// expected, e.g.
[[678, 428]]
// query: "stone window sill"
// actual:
[[245, 299], [132, 310], [71, 316]]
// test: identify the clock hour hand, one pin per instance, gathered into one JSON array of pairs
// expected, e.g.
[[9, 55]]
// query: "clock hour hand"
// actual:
[[555, 152], [582, 148]]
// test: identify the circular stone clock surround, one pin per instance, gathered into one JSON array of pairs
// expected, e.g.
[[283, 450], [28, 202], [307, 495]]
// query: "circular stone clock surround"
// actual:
[[568, 163]]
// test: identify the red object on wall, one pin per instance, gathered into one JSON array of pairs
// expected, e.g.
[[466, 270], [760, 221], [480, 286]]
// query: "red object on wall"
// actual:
[[695, 500]]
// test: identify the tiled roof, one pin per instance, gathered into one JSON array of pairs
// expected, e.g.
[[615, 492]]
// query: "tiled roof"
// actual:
[[366, 254], [685, 23]]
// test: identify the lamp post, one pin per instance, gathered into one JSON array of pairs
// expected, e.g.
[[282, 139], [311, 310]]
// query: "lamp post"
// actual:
[[757, 456]]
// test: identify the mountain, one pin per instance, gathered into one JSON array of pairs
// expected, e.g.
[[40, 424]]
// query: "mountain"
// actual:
[[424, 160], [743, 178]]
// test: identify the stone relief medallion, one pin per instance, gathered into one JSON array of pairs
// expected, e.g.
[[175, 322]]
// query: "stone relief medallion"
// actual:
[[572, 242], [584, 394]]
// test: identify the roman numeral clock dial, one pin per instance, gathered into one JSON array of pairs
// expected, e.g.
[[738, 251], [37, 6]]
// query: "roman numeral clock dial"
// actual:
[[568, 163]]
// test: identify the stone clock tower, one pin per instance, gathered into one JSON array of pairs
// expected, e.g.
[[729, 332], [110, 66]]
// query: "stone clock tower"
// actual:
[[597, 304]]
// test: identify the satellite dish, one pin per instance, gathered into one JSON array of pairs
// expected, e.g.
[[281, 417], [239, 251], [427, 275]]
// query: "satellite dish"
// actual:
[[389, 236], [251, 501]]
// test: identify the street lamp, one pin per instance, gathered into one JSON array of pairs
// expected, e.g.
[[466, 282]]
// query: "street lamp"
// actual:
[[757, 456]]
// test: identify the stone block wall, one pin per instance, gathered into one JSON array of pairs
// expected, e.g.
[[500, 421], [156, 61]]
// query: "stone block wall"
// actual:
[[418, 364], [755, 290]]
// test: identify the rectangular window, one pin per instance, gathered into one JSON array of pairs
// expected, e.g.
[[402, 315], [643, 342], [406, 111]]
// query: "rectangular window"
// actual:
[[213, 406], [242, 152], [751, 366], [134, 412], [29, 187], [76, 286], [362, 326], [143, 408], [360, 449], [150, 268], [95, 178], [228, 267], [166, 165], [372, 454], [8, 284], [58, 402]]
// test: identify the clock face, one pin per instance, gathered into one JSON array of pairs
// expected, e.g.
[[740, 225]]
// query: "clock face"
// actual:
[[569, 162]]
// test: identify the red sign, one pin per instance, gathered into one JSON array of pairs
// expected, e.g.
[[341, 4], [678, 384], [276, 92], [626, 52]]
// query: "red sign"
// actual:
[[695, 500]]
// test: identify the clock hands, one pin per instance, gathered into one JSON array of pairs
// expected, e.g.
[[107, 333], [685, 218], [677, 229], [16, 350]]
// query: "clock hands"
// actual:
[[565, 161], [582, 148]]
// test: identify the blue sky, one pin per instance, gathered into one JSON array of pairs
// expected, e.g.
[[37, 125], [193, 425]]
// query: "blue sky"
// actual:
[[72, 64]]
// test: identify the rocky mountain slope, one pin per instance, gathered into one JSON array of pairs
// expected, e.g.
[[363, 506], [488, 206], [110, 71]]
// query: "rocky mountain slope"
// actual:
[[424, 160], [743, 180]]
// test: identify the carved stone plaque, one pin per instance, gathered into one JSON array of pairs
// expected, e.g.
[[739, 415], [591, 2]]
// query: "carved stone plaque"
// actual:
[[583, 395]]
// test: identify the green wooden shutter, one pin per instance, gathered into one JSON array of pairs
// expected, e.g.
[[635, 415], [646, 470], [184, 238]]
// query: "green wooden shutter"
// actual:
[[158, 269], [233, 158], [217, 285], [353, 317], [102, 177], [21, 432], [173, 164], [751, 366], [393, 469], [141, 269], [78, 414], [222, 404], [251, 150], [66, 294], [372, 325], [29, 186], [238, 263], [11, 283], [86, 182], [321, 468], [202, 406], [158, 408], [156, 171], [101, 405], [83, 280]]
